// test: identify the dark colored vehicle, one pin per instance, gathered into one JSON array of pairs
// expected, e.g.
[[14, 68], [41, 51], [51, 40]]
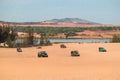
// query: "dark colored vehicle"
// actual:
[[75, 53], [19, 49], [42, 54], [101, 49], [62, 46]]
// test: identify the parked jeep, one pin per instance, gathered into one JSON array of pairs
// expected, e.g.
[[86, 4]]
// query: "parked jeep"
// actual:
[[75, 53], [42, 54], [62, 46], [101, 49], [19, 49]]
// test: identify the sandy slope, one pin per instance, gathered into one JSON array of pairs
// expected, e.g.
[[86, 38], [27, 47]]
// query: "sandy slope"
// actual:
[[91, 65]]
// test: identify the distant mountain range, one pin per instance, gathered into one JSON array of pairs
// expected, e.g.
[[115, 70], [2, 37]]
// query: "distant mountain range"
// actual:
[[71, 20], [65, 22]]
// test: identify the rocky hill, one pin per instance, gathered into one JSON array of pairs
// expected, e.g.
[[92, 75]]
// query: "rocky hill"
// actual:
[[70, 20]]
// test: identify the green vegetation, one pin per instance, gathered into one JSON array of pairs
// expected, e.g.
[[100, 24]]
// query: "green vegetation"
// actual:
[[116, 38], [71, 33], [55, 30], [30, 32], [7, 35], [30, 38], [44, 41], [68, 31]]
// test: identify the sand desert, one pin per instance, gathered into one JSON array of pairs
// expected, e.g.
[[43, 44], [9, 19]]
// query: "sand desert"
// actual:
[[60, 65]]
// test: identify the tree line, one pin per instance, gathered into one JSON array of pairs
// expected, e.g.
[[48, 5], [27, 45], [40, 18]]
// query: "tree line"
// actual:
[[56, 30], [8, 35]]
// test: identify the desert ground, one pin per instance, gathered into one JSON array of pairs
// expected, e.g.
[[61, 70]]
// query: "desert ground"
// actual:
[[60, 65]]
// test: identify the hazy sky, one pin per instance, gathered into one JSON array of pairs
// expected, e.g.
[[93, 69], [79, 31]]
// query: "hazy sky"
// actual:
[[101, 11]]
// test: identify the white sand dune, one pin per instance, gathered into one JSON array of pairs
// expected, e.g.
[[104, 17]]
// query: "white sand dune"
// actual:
[[91, 65]]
